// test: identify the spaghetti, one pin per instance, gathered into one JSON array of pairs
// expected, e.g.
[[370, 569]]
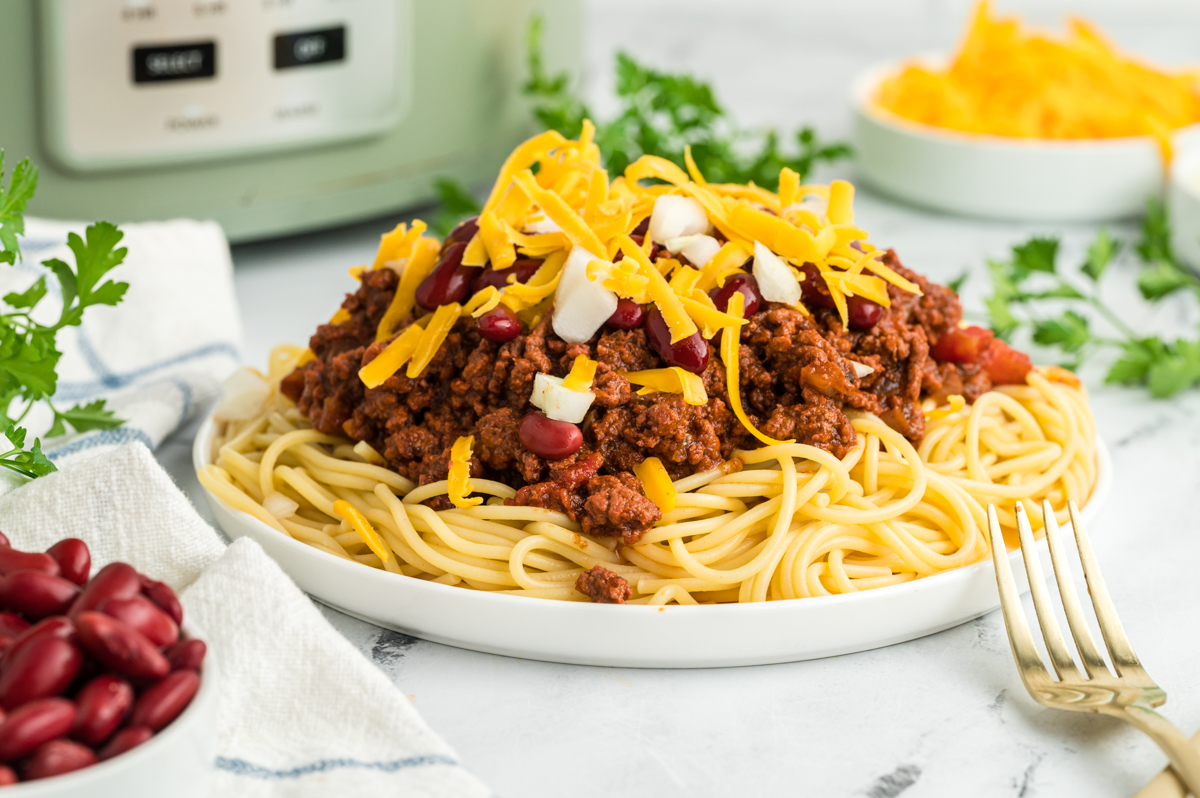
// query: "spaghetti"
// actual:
[[779, 522]]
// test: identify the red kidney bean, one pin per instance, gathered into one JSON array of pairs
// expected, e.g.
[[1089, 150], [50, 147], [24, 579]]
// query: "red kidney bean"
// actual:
[[102, 705], [162, 702], [54, 626], [814, 289], [44, 667], [629, 315], [12, 624], [863, 314], [73, 558], [499, 324], [449, 281], [143, 616], [34, 723], [744, 283], [464, 231], [187, 655], [4, 541], [523, 268], [164, 597], [13, 560], [691, 353], [56, 758], [547, 438], [642, 228], [125, 740], [7, 776], [115, 579], [120, 648], [36, 594]]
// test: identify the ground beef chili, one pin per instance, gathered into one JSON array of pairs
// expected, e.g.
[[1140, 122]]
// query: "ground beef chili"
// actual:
[[603, 586], [796, 374]]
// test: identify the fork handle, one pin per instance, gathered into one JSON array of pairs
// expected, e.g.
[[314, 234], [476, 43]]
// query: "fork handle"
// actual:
[[1166, 784], [1185, 760]]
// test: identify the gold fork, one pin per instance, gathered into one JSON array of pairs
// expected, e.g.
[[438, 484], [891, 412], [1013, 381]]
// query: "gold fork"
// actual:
[[1131, 694]]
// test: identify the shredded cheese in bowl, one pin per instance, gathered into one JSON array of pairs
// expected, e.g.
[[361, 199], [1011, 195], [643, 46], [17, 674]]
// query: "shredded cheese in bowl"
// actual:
[[1009, 81]]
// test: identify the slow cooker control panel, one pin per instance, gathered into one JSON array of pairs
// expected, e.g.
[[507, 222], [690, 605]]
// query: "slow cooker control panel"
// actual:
[[132, 83]]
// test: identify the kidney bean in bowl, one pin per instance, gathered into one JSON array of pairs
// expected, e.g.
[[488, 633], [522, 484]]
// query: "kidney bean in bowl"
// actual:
[[105, 690]]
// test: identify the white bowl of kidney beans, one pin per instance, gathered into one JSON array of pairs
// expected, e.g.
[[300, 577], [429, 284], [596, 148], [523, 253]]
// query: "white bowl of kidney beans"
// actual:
[[103, 689]]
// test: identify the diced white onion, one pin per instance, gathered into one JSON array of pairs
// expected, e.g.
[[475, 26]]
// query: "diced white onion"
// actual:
[[244, 395], [543, 225], [861, 369], [559, 402], [698, 249], [675, 217], [280, 506], [581, 306], [776, 281]]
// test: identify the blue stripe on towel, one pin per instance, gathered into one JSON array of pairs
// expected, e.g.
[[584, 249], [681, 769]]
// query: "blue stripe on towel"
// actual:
[[108, 381], [240, 767], [108, 437]]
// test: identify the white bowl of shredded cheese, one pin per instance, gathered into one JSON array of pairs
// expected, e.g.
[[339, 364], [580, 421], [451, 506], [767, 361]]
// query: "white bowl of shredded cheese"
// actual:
[[998, 177]]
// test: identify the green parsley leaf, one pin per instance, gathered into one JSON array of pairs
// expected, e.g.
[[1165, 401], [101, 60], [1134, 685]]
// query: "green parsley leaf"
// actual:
[[29, 297], [457, 204], [84, 418], [1161, 279], [957, 283], [1180, 369], [1100, 254], [1069, 332], [31, 463], [1155, 243], [1137, 356], [661, 114], [1038, 254], [13, 201]]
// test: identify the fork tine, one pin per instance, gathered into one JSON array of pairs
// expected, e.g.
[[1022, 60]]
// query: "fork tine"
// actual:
[[1125, 661], [1093, 662], [1029, 662], [1060, 657]]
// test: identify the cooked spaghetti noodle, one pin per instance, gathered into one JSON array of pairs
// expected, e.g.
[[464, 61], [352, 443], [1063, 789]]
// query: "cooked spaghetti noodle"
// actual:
[[779, 522]]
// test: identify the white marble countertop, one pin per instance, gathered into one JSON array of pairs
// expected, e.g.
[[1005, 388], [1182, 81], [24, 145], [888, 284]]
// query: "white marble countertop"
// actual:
[[941, 716]]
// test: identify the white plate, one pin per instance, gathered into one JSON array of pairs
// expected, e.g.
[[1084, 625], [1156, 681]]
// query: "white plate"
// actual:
[[635, 636], [1000, 177]]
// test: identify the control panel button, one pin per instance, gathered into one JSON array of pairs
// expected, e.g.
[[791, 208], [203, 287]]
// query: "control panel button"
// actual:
[[310, 47], [168, 62]]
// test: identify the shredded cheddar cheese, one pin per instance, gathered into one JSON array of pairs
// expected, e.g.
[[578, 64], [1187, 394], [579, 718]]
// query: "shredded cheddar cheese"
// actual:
[[340, 316], [730, 348], [458, 482], [420, 263], [583, 372], [362, 526], [553, 194], [1008, 81], [392, 358], [656, 483], [670, 380], [956, 403], [439, 327]]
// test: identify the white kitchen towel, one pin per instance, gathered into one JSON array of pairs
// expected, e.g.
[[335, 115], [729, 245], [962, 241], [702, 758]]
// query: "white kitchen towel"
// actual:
[[157, 357], [301, 713]]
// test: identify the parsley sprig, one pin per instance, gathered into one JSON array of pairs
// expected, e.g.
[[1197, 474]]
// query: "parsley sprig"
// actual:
[[661, 113], [28, 352], [1030, 290]]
